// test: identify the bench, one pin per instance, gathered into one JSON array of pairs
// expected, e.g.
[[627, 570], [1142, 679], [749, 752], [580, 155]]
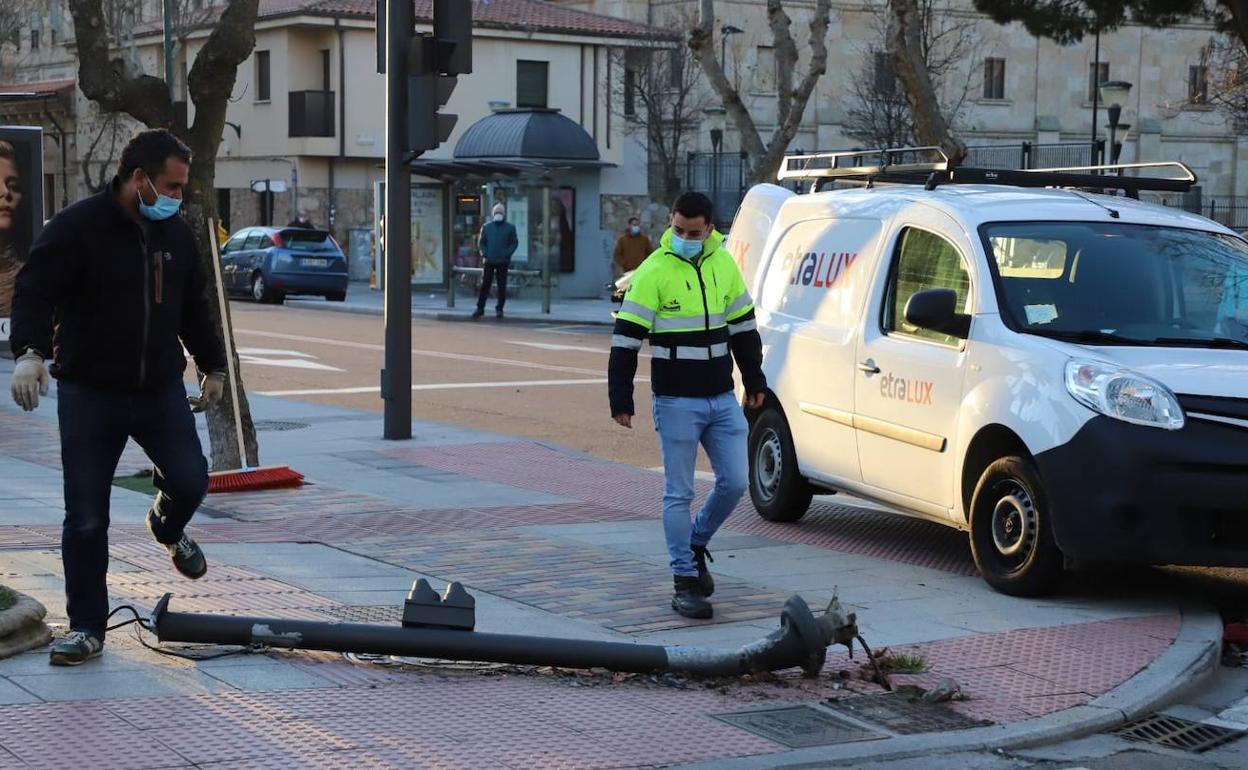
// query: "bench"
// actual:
[[471, 276]]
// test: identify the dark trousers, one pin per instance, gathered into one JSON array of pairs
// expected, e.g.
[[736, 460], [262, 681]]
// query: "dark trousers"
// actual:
[[95, 424], [493, 271]]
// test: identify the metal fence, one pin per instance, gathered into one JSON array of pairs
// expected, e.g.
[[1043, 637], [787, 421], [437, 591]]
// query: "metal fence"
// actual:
[[1229, 210]]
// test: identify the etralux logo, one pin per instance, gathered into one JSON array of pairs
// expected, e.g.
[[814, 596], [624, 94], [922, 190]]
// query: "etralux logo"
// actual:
[[905, 389], [821, 270]]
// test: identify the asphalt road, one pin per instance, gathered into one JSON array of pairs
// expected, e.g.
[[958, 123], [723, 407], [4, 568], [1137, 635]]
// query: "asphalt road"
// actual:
[[541, 381]]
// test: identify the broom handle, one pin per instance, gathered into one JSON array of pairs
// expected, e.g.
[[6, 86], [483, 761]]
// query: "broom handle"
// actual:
[[229, 343]]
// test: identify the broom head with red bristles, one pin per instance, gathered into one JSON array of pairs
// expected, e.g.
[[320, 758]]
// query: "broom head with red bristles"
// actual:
[[254, 479]]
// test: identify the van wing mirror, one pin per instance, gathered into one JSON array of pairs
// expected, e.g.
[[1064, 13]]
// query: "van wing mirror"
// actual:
[[937, 310]]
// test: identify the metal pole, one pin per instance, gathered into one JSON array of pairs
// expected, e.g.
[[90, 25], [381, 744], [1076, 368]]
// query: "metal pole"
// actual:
[[396, 378], [168, 14], [546, 247], [1096, 90], [801, 640]]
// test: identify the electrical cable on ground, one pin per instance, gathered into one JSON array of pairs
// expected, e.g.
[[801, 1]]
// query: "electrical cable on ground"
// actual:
[[138, 621]]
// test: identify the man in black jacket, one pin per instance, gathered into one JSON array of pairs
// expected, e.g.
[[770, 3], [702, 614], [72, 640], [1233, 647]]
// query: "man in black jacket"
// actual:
[[113, 288]]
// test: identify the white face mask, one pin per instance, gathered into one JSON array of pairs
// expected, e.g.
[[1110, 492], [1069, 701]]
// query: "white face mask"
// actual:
[[635, 230], [498, 217]]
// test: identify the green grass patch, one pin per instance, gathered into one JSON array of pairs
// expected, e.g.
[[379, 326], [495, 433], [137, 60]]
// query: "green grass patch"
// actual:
[[893, 663], [7, 598], [142, 482]]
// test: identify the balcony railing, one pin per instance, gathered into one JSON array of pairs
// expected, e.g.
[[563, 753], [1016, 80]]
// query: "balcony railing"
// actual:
[[311, 113]]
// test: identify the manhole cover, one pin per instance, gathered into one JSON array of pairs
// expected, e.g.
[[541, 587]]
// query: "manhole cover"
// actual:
[[903, 716], [384, 615], [798, 726], [266, 425], [1175, 733]]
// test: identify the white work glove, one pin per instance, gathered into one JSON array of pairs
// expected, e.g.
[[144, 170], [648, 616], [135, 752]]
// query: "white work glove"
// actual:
[[211, 389], [30, 380]]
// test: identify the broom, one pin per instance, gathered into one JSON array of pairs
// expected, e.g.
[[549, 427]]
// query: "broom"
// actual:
[[244, 479]]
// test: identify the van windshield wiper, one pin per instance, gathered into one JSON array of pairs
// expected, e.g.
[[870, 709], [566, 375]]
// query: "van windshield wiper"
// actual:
[[1092, 336], [1210, 342]]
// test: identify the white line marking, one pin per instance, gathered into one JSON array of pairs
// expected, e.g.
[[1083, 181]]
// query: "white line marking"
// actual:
[[273, 352], [434, 386], [428, 353], [553, 346]]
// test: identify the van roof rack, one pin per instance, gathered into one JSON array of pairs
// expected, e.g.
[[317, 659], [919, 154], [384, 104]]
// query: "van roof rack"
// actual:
[[905, 165]]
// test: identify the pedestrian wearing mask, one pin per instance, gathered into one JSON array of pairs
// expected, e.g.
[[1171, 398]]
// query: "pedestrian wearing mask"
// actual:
[[689, 299], [631, 248], [114, 288], [497, 243]]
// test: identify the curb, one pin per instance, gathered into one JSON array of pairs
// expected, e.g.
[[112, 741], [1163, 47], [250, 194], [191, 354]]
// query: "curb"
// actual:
[[443, 315], [1190, 659]]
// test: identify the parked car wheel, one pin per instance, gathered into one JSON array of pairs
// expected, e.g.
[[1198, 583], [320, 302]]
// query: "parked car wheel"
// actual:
[[1011, 530], [336, 296], [261, 292], [777, 488]]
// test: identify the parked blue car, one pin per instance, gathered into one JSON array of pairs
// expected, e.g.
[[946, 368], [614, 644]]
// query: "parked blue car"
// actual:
[[269, 263]]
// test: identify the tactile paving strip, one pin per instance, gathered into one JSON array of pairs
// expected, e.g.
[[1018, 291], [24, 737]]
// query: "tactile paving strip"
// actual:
[[529, 465], [610, 589]]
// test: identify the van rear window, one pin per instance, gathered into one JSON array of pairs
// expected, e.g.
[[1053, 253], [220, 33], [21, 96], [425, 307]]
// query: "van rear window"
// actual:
[[1022, 257]]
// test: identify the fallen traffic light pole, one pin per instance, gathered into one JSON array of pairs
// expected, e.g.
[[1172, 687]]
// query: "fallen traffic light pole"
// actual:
[[801, 641]]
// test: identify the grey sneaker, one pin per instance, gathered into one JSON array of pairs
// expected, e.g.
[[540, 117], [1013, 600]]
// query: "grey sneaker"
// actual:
[[75, 649], [188, 557]]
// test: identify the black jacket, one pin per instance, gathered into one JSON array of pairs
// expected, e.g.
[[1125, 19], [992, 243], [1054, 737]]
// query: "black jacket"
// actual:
[[109, 299]]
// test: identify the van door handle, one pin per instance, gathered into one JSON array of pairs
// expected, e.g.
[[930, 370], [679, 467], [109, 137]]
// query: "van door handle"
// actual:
[[868, 367]]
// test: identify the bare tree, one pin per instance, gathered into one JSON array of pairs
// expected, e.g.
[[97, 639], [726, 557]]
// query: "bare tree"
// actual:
[[905, 43], [107, 131], [793, 94], [118, 85], [661, 99], [879, 114]]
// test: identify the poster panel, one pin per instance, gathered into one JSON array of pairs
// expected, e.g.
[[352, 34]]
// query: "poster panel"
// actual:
[[21, 209], [428, 231]]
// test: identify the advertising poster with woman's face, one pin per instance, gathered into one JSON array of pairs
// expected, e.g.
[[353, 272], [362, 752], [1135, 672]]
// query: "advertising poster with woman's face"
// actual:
[[21, 209]]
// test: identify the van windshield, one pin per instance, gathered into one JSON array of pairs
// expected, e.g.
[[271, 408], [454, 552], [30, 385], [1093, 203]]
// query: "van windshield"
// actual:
[[1113, 283]]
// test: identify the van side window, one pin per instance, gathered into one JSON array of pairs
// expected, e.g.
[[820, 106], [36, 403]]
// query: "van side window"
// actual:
[[924, 261]]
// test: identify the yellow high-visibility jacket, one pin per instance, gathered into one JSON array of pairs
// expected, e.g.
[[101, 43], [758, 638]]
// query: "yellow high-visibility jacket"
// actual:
[[695, 314]]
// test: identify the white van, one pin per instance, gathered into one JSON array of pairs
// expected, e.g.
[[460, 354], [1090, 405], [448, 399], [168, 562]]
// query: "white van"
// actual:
[[1063, 374]]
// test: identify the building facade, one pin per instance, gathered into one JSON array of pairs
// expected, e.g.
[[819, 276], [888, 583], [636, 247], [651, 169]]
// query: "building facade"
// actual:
[[306, 124], [1008, 86]]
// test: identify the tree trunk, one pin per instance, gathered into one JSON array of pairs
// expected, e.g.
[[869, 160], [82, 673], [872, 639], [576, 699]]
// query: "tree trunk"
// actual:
[[1238, 10], [146, 98], [905, 37]]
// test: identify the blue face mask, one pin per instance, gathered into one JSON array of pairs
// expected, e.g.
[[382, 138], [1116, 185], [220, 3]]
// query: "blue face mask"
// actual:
[[163, 208], [686, 248]]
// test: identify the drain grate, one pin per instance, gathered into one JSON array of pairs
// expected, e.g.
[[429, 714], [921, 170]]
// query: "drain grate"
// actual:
[[903, 716], [1176, 733], [799, 726], [383, 614], [279, 425]]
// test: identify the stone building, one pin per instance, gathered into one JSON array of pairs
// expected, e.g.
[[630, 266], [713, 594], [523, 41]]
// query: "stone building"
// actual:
[[306, 125]]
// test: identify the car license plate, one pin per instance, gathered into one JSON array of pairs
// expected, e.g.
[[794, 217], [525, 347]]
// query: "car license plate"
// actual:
[[312, 262]]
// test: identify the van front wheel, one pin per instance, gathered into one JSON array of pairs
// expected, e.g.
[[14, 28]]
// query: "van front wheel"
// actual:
[[777, 488], [1011, 531]]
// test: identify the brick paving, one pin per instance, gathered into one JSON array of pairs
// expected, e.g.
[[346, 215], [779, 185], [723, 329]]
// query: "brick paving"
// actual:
[[371, 716], [615, 591]]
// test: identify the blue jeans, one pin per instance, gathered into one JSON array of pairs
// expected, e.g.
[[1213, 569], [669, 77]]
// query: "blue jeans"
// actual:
[[95, 425], [718, 424]]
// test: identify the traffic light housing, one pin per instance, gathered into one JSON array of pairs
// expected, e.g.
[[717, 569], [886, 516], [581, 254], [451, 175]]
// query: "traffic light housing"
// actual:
[[434, 61]]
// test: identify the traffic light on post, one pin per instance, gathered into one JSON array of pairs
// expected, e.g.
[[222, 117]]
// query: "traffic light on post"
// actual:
[[433, 63]]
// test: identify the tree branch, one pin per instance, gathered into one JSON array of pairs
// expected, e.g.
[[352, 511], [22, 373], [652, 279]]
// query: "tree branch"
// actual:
[[702, 43], [905, 44], [785, 52], [106, 82]]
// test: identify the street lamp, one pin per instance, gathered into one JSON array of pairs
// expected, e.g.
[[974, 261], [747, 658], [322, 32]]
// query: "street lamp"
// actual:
[[1114, 93], [724, 32], [716, 118]]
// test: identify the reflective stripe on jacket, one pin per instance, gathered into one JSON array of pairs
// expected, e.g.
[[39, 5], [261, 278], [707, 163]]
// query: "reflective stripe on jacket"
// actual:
[[694, 312]]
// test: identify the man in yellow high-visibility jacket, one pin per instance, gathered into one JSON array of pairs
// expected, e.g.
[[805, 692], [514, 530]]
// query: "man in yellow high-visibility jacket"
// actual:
[[690, 300]]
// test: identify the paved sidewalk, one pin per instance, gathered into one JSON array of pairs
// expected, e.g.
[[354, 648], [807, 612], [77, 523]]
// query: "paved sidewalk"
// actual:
[[550, 543], [432, 304]]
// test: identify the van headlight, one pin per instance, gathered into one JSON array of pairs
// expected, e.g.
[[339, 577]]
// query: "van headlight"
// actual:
[[1123, 395]]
